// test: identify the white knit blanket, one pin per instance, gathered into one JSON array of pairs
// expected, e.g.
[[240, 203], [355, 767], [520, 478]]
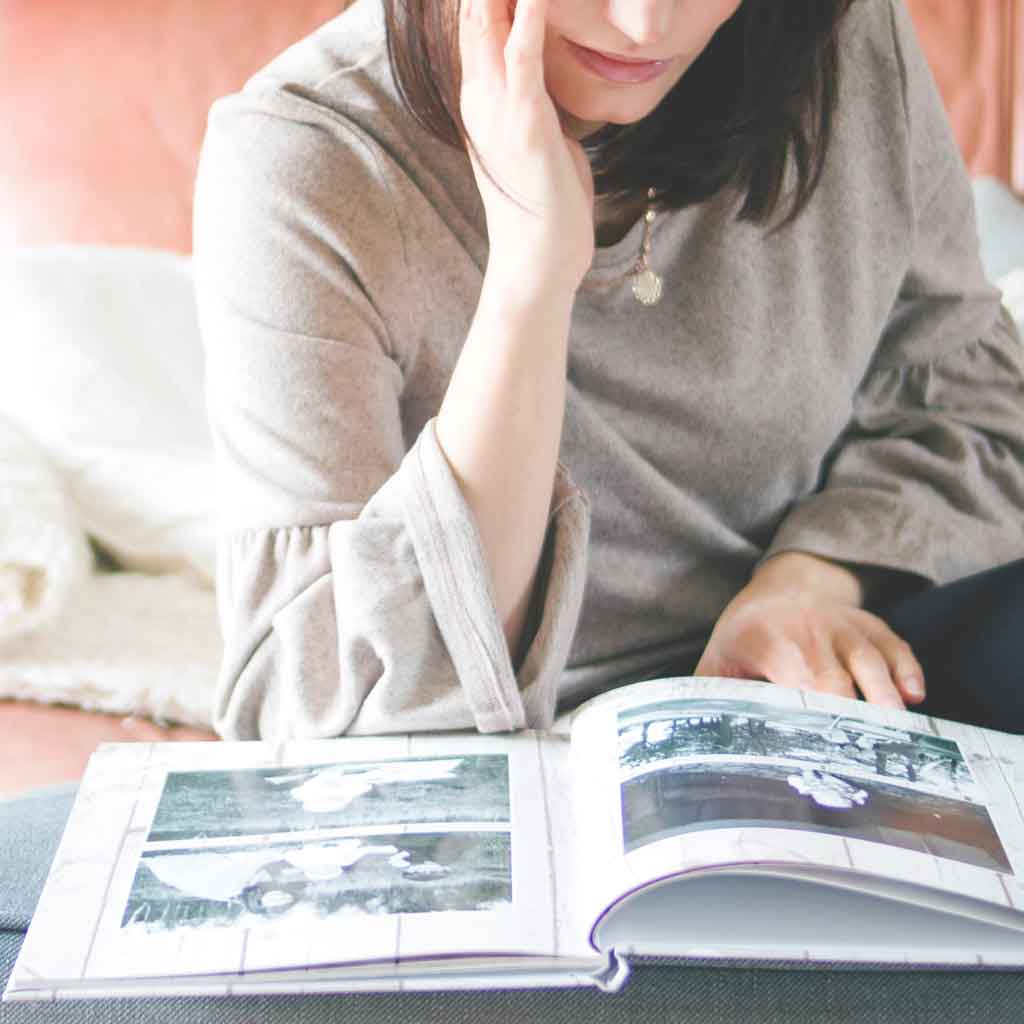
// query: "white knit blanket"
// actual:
[[1012, 286], [129, 643]]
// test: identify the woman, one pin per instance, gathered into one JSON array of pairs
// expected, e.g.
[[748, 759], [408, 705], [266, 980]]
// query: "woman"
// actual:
[[560, 343]]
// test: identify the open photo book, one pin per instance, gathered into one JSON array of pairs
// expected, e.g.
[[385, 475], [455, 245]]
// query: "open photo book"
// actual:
[[679, 818]]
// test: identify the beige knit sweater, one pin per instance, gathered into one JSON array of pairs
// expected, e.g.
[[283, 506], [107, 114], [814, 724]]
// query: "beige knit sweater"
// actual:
[[849, 386]]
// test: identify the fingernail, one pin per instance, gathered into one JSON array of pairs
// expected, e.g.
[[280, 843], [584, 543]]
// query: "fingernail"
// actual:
[[914, 685]]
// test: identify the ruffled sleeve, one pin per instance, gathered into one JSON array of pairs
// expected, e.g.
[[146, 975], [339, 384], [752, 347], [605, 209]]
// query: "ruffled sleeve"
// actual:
[[928, 476], [352, 588]]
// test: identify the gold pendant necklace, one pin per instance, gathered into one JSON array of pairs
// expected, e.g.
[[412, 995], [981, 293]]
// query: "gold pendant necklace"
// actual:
[[648, 286]]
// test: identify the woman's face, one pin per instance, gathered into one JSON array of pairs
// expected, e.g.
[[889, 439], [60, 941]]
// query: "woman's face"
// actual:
[[613, 61]]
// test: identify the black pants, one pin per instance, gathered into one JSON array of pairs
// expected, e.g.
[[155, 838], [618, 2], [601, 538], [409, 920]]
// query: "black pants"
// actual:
[[969, 637]]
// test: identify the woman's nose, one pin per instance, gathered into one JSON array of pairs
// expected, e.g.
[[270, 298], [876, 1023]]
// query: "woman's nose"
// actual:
[[642, 21]]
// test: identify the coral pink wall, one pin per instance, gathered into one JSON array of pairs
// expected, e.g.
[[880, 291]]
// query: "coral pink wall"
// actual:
[[103, 102], [103, 106], [976, 49]]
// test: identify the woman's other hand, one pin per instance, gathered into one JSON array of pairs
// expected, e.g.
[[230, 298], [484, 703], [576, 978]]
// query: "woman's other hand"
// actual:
[[798, 623], [536, 183]]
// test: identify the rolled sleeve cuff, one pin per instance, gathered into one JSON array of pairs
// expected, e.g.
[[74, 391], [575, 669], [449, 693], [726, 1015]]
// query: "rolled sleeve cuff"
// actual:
[[455, 576]]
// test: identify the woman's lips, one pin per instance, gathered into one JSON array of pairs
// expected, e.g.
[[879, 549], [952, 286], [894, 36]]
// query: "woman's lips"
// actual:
[[617, 69]]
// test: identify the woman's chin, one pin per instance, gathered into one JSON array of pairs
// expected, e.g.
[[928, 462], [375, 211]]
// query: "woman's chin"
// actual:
[[580, 120], [581, 128]]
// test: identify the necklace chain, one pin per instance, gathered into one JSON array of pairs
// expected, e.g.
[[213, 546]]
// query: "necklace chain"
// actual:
[[646, 284]]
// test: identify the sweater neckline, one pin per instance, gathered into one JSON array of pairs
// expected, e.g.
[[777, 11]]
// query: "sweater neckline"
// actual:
[[622, 254]]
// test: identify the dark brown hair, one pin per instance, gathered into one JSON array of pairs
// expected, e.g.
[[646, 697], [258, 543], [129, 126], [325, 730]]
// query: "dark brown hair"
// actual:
[[763, 92]]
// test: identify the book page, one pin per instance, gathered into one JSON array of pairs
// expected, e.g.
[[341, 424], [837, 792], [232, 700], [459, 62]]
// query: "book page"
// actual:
[[231, 858], [679, 776]]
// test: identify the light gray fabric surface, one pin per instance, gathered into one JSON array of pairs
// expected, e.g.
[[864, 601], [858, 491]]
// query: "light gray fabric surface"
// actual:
[[848, 386], [1000, 227]]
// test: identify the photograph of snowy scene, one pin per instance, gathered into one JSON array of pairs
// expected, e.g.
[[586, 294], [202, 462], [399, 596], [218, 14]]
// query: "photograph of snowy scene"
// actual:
[[245, 884], [263, 801], [318, 840], [698, 764]]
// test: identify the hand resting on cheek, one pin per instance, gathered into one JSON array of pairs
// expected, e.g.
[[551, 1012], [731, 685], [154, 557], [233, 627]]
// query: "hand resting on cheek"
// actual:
[[535, 182]]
